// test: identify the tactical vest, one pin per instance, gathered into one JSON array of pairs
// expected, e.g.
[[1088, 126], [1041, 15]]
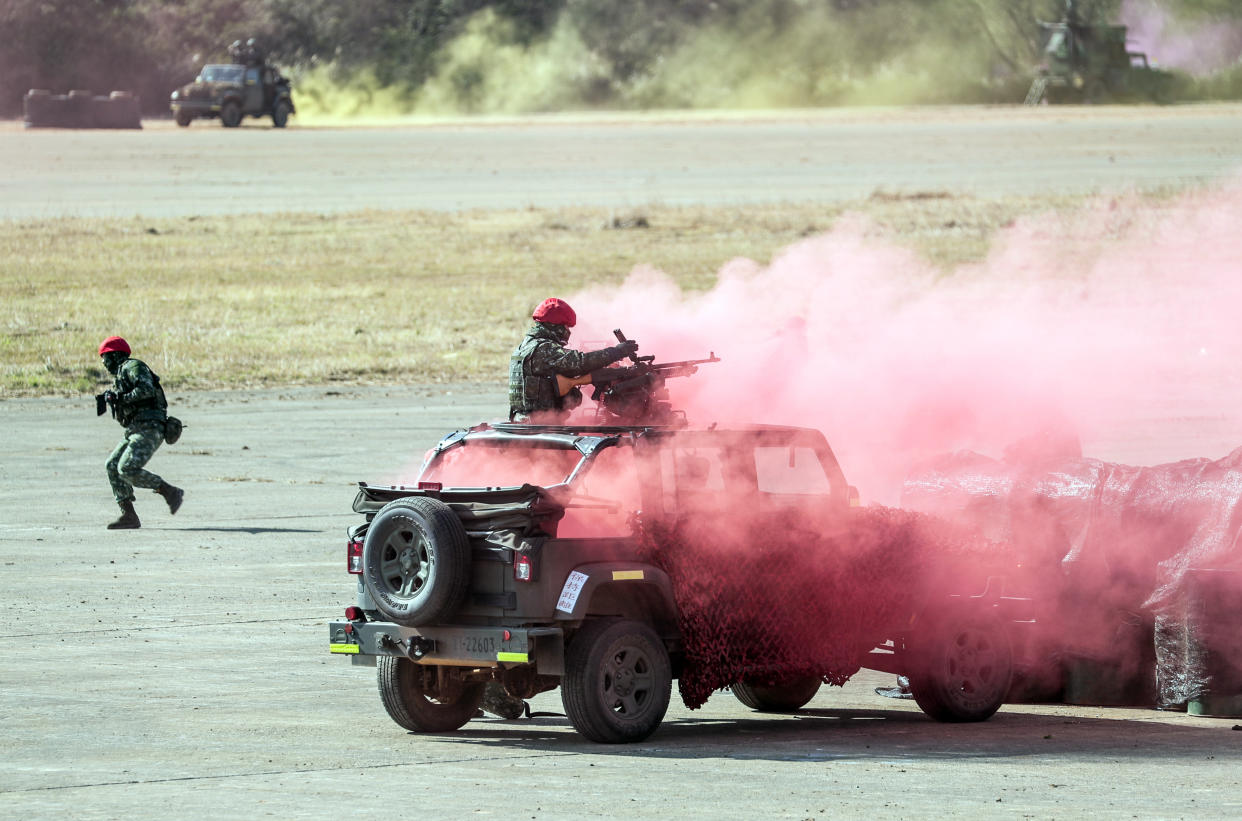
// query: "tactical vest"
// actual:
[[528, 392], [138, 410]]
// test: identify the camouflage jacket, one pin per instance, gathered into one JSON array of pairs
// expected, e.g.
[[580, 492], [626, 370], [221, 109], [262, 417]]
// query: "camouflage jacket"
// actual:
[[139, 397], [537, 361]]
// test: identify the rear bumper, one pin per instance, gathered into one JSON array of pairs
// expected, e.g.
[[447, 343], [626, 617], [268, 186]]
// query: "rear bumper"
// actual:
[[454, 646]]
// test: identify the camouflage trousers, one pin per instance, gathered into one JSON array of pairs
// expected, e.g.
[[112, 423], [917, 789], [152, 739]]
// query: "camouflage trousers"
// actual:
[[125, 465]]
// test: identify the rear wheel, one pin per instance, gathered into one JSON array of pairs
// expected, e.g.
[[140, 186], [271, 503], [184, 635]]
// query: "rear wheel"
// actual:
[[231, 114], [426, 699], [617, 681], [961, 664], [416, 561], [784, 697]]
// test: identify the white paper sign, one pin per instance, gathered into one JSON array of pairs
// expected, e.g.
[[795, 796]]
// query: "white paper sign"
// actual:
[[569, 593]]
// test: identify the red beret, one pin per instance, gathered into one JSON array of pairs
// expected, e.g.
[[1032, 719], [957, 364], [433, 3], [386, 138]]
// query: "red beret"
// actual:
[[114, 343], [555, 311]]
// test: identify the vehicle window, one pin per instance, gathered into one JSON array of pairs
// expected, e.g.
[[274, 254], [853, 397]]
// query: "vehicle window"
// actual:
[[1058, 46], [605, 498], [506, 465], [221, 74], [252, 76], [790, 471], [702, 476]]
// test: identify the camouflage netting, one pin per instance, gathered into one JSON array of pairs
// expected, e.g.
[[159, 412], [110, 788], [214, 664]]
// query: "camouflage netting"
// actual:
[[1109, 545], [766, 601]]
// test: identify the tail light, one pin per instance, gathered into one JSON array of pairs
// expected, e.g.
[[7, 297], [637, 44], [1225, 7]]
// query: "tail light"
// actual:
[[353, 557], [354, 613], [430, 486], [523, 568]]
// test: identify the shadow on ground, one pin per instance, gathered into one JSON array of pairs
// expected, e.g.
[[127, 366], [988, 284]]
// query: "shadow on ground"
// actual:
[[886, 735]]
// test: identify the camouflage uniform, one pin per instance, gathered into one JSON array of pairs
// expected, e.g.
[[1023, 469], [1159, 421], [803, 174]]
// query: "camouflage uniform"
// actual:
[[537, 361], [142, 410]]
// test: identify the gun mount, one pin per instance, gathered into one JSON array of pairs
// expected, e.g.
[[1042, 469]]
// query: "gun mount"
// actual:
[[636, 393]]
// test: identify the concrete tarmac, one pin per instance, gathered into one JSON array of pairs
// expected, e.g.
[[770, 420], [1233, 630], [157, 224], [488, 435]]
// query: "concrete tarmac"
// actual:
[[614, 161], [181, 670]]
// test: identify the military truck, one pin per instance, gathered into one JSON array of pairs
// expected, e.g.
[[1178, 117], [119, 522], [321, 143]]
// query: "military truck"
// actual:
[[522, 556], [1084, 62], [233, 91]]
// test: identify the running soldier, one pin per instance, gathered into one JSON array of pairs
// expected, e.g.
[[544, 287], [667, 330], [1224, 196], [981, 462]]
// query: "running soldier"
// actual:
[[534, 392], [138, 403]]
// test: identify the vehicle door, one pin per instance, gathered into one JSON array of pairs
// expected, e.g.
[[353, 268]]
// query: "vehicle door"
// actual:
[[252, 94]]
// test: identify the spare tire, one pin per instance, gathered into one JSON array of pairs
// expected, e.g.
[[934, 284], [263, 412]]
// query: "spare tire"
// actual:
[[416, 561]]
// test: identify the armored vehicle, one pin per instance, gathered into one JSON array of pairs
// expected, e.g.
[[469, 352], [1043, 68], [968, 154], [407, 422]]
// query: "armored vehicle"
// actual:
[[610, 560], [1084, 62], [232, 91]]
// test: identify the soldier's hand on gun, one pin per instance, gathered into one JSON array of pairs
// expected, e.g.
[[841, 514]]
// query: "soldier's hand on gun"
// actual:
[[103, 401]]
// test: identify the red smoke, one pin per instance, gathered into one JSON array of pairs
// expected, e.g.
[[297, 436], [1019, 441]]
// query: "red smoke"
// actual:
[[1116, 325], [1113, 323]]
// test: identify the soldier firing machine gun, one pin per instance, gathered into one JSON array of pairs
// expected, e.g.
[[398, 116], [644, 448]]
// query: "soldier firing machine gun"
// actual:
[[635, 394]]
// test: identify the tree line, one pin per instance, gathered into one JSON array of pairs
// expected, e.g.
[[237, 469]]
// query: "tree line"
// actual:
[[598, 52]]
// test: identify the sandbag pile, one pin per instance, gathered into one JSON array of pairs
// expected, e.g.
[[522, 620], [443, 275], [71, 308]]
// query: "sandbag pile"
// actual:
[[81, 109], [1118, 557]]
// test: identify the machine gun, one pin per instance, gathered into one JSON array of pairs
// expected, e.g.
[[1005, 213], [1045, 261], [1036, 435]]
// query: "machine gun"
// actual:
[[635, 394]]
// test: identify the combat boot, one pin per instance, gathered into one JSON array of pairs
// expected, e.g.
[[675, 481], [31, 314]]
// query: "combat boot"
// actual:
[[128, 519], [172, 495]]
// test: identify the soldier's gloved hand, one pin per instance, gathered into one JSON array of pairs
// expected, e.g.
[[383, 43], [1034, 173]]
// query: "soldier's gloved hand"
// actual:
[[627, 348], [110, 397]]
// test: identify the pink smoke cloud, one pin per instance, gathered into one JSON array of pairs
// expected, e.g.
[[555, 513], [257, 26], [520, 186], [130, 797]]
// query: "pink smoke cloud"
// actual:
[[1117, 323], [1197, 47]]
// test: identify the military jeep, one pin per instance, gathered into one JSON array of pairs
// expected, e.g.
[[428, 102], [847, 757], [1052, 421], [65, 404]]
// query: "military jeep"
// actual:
[[519, 557], [232, 91]]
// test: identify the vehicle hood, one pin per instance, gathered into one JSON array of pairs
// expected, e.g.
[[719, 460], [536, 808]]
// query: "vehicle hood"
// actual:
[[204, 91]]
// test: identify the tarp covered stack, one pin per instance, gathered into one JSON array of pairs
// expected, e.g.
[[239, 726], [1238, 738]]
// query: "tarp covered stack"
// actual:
[[81, 109], [1133, 567]]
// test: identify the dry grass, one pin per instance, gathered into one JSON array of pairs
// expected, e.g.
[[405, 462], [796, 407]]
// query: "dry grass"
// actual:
[[379, 297]]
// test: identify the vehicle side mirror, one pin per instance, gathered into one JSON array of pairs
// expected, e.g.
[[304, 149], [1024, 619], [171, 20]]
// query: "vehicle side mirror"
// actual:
[[855, 499]]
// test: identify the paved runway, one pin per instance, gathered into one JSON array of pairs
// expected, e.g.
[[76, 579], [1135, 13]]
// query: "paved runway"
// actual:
[[612, 160], [181, 670]]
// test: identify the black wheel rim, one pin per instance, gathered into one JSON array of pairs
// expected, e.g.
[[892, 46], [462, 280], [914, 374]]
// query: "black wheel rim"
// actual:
[[405, 562], [628, 684], [974, 666]]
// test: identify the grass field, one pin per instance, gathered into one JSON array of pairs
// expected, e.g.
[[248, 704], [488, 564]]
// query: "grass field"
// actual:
[[381, 297]]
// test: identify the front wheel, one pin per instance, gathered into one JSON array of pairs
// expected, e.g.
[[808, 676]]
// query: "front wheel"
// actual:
[[782, 697], [183, 118], [231, 114], [617, 681], [961, 664], [426, 699]]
